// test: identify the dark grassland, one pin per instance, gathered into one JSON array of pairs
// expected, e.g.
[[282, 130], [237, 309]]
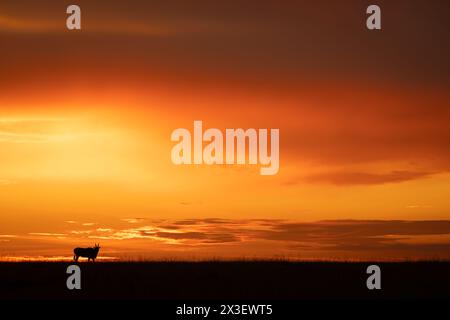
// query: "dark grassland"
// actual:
[[216, 280]]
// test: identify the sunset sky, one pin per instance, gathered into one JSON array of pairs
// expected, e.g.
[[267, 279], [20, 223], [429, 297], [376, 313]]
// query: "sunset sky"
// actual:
[[86, 118]]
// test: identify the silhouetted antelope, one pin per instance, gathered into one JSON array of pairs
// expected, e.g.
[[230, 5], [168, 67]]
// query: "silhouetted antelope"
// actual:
[[90, 253]]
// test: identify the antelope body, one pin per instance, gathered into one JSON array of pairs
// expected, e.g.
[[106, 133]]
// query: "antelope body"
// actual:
[[90, 253]]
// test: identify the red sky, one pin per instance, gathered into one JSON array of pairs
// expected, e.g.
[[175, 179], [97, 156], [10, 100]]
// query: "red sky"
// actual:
[[86, 118]]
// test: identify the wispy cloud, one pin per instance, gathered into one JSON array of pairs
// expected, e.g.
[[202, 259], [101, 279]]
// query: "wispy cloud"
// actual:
[[133, 220], [81, 232], [419, 206], [344, 239], [355, 178], [10, 23], [330, 235], [47, 234], [6, 237], [35, 130]]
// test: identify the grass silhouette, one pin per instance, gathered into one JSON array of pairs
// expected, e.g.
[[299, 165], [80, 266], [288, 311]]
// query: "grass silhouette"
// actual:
[[216, 280]]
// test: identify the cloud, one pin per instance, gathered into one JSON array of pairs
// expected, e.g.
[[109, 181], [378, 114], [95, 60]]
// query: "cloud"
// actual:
[[343, 120], [81, 231], [363, 178], [339, 235], [205, 221], [36, 130], [339, 239], [133, 220], [361, 238], [47, 234], [170, 226], [202, 237], [192, 231], [112, 26], [349, 237], [9, 23]]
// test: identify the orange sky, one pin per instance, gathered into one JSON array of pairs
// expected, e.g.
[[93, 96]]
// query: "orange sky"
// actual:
[[86, 118]]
